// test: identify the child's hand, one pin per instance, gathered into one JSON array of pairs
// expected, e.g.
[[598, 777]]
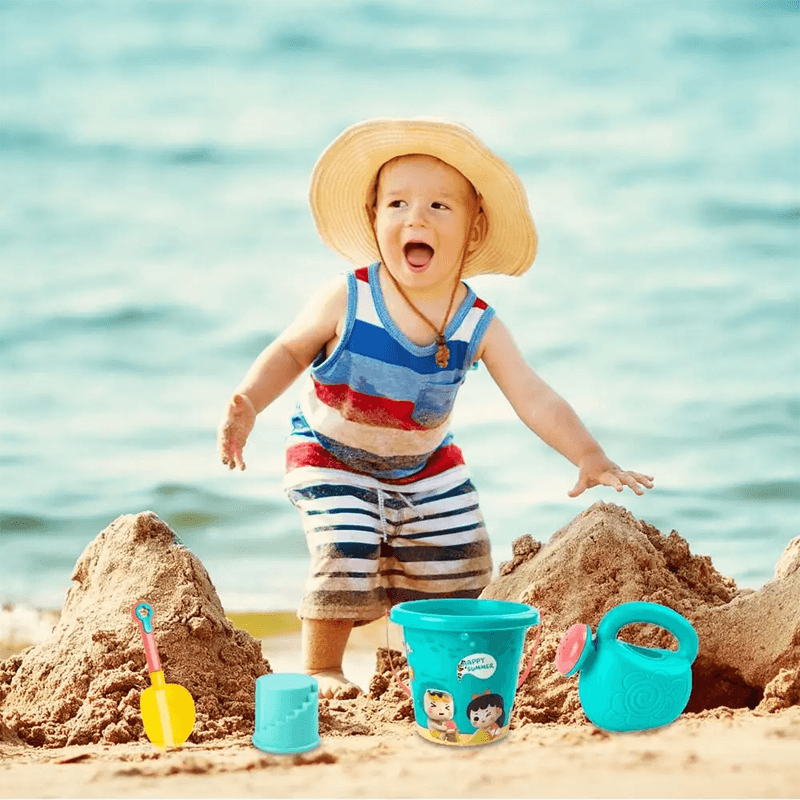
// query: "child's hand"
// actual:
[[597, 469], [234, 430]]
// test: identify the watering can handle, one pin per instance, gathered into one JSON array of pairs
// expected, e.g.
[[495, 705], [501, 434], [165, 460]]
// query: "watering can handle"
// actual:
[[656, 614]]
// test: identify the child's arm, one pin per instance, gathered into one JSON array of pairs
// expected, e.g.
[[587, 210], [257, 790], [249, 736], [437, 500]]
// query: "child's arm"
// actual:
[[278, 367], [550, 417]]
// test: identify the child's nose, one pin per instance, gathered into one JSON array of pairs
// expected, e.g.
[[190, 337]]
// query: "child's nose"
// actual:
[[417, 214]]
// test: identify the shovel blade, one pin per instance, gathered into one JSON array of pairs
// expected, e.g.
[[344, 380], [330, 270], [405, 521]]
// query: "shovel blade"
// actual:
[[168, 714]]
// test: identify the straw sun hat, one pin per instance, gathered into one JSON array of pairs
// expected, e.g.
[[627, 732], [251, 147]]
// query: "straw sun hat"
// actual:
[[343, 182]]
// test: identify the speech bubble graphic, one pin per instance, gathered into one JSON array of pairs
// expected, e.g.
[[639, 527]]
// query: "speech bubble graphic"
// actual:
[[481, 665]]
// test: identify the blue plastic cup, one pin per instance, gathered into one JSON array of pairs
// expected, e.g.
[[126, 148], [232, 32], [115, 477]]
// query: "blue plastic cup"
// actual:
[[464, 656], [287, 713]]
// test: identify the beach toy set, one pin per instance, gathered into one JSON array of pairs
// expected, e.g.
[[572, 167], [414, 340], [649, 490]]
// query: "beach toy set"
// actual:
[[287, 713], [464, 659]]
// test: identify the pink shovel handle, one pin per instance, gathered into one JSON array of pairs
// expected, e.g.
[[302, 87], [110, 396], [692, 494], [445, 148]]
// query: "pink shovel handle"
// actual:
[[142, 613]]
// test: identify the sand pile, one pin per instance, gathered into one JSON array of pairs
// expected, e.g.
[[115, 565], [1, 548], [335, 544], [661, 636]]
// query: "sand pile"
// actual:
[[749, 641], [83, 684]]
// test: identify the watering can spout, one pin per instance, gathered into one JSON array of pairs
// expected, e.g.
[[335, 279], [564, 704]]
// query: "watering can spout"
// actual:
[[576, 650]]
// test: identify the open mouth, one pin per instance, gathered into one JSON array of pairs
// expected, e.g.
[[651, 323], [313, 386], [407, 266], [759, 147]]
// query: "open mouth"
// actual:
[[418, 254]]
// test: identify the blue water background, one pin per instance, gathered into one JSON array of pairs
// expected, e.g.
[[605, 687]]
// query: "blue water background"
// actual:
[[155, 237]]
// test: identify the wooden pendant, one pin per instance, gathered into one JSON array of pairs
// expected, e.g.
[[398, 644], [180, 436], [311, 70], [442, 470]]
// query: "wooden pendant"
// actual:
[[442, 354]]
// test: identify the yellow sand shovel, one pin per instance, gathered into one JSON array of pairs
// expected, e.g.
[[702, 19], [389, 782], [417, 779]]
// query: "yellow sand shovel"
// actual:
[[167, 708]]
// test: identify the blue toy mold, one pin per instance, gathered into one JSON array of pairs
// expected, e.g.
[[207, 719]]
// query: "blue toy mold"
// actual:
[[287, 713]]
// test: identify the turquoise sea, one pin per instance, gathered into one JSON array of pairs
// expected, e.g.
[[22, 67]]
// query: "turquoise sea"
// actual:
[[155, 236]]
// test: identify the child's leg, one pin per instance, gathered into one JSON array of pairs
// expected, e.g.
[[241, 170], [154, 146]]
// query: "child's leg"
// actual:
[[324, 642], [343, 533]]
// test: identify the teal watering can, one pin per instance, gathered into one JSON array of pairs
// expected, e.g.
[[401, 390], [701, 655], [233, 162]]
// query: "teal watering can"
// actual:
[[624, 687]]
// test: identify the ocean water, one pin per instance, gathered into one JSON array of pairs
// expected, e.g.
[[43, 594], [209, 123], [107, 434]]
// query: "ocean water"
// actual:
[[155, 236]]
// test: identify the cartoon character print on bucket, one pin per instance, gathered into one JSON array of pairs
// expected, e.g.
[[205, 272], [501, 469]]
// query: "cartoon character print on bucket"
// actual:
[[487, 716], [440, 710], [464, 657]]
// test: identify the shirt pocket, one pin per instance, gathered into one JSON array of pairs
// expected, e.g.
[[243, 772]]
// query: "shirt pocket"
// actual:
[[435, 401]]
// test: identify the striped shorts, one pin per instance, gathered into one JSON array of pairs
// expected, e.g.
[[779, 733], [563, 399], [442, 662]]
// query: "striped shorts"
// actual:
[[372, 548]]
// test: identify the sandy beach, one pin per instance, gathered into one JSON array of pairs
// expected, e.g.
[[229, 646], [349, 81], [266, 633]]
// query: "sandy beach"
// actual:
[[70, 724], [734, 754]]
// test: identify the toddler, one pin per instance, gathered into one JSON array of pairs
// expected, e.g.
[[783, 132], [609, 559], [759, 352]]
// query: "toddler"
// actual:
[[389, 511]]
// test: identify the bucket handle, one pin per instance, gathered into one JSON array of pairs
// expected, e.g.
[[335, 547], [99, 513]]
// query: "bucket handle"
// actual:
[[521, 680], [389, 657], [533, 654]]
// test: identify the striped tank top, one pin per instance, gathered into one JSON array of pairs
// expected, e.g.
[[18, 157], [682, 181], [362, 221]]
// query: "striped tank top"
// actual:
[[379, 406]]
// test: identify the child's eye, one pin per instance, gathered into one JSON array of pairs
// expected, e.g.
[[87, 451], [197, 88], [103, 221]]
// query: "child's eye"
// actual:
[[438, 206], [396, 203]]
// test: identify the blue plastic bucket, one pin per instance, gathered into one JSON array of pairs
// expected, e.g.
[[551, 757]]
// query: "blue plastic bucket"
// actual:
[[464, 660]]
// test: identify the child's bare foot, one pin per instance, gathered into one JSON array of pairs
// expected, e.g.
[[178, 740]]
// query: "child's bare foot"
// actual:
[[332, 682]]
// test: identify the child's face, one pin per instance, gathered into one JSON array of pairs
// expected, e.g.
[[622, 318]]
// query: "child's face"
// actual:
[[439, 708], [485, 717], [425, 213]]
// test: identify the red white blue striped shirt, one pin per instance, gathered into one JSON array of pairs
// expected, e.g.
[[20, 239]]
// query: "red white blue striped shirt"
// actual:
[[380, 405]]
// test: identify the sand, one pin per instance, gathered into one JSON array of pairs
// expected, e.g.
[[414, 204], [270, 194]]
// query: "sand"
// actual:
[[69, 721], [82, 685]]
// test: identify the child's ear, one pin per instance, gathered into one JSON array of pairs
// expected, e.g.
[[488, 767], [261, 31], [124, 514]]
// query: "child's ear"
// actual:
[[371, 215], [372, 202], [477, 235]]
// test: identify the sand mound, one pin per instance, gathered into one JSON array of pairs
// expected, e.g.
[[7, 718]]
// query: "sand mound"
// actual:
[[605, 557], [83, 684]]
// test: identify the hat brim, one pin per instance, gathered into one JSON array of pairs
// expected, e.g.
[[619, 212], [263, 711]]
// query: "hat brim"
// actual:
[[343, 180]]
